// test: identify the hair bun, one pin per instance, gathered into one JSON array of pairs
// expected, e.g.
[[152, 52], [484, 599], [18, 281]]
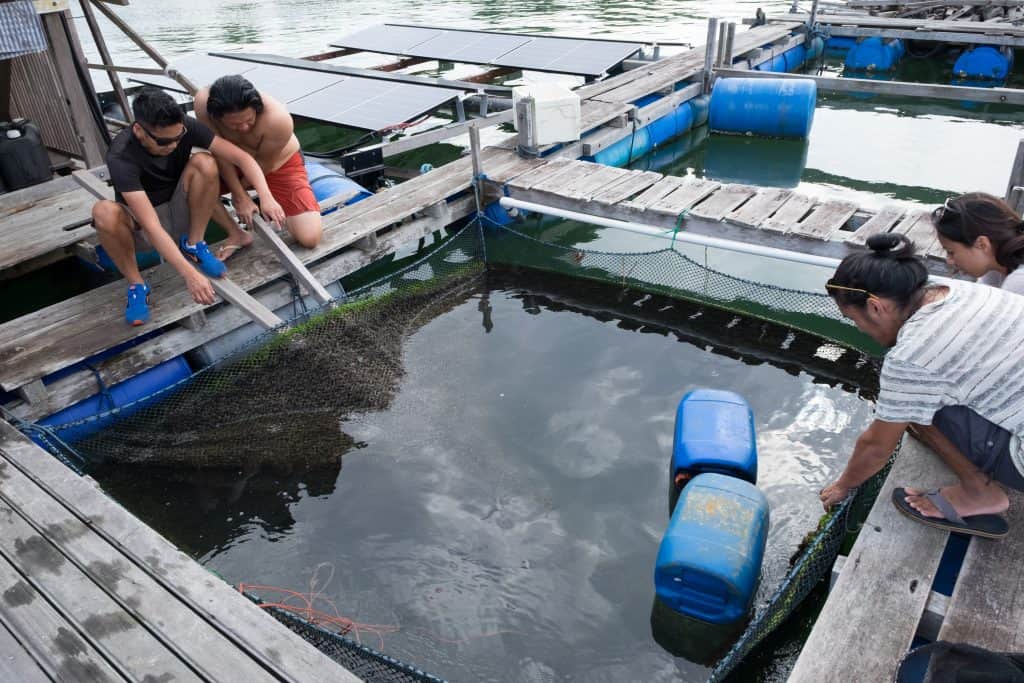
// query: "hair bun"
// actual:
[[891, 245]]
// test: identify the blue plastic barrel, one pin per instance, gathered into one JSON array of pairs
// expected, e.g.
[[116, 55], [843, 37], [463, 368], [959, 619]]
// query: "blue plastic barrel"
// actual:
[[126, 395], [983, 63], [327, 183], [782, 108], [815, 47], [700, 106], [874, 54], [795, 57], [709, 560], [839, 45], [714, 432]]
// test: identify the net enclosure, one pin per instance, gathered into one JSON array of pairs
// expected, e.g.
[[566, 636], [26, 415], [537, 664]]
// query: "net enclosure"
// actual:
[[282, 395]]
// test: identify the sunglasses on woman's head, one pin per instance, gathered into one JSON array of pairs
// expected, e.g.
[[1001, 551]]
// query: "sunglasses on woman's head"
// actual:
[[163, 142], [940, 212]]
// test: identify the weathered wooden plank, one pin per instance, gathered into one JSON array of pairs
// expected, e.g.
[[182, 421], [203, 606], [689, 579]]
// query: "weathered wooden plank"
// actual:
[[795, 208], [74, 499], [883, 221], [691, 191], [505, 173], [917, 226], [759, 208], [655, 192], [290, 261], [558, 182], [531, 178], [886, 580], [723, 201], [16, 663], [58, 652], [987, 605], [627, 187], [19, 200], [826, 219], [591, 184], [111, 627]]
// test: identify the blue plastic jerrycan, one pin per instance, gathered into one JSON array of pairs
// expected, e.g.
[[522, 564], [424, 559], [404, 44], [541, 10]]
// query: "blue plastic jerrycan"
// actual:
[[709, 560]]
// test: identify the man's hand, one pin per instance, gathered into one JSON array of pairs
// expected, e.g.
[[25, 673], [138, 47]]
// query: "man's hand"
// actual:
[[272, 211], [245, 207], [833, 494], [199, 287]]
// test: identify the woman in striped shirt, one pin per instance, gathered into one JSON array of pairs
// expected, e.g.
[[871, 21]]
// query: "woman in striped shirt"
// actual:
[[952, 374]]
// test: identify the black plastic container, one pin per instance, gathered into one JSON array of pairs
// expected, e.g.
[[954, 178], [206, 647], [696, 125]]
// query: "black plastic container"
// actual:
[[23, 157]]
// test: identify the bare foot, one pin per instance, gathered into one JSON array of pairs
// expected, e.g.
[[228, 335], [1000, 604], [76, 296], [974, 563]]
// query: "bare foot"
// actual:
[[989, 500], [233, 244]]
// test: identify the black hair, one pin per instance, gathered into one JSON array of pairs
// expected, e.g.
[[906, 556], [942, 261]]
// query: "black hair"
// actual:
[[965, 218], [890, 269], [153, 107], [230, 94]]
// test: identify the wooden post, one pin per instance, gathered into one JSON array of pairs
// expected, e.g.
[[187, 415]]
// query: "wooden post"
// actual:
[[730, 39], [720, 45], [478, 167], [709, 52], [143, 45], [1015, 186], [101, 45], [813, 16], [526, 143]]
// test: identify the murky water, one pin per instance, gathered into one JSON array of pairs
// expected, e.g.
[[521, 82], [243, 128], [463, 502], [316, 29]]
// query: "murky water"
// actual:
[[505, 512]]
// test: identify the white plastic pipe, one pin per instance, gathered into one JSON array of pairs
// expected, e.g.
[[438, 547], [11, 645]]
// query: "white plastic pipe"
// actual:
[[682, 236]]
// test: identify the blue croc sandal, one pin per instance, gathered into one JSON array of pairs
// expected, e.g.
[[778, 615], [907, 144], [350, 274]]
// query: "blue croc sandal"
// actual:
[[200, 254], [137, 311]]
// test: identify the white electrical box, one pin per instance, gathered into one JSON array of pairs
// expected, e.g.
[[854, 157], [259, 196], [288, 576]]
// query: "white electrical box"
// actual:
[[556, 112]]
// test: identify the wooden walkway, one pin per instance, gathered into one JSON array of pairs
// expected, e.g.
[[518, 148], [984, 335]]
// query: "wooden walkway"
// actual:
[[997, 31], [90, 593], [887, 578], [43, 219], [766, 216]]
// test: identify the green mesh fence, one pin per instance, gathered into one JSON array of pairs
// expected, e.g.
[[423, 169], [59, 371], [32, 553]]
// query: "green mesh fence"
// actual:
[[347, 357]]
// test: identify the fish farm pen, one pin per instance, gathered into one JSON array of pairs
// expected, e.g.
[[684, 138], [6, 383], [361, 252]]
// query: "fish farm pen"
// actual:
[[434, 446]]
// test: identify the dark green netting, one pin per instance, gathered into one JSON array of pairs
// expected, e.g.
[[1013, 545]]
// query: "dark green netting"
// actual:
[[347, 357]]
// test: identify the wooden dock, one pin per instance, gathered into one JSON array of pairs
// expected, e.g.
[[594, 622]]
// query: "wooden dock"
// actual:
[[90, 593], [887, 580]]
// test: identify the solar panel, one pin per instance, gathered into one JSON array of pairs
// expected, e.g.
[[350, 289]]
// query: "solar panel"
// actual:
[[394, 40], [369, 104], [366, 103], [200, 68], [578, 56]]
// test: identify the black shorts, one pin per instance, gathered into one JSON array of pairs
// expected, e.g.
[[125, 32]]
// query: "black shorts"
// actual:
[[985, 444]]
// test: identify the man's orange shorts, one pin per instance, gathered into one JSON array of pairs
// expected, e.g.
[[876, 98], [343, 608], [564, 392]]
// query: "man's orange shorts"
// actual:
[[290, 187]]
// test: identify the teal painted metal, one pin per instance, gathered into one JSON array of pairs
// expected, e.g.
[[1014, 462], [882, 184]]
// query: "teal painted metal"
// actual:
[[709, 560], [782, 108]]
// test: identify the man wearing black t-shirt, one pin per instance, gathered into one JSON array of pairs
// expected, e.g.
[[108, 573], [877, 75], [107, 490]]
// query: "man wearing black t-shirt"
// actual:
[[165, 196]]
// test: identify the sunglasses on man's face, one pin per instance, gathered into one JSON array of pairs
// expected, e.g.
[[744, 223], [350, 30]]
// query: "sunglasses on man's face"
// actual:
[[163, 142]]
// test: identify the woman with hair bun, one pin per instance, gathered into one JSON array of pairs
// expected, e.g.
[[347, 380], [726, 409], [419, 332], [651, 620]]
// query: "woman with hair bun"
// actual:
[[984, 238], [952, 374]]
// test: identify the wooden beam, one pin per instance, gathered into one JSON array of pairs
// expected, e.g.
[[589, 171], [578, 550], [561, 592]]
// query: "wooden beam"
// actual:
[[290, 261], [101, 47], [401, 64], [47, 6], [232, 293], [96, 187]]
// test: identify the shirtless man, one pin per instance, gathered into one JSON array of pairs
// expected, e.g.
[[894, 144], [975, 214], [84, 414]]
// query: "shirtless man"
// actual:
[[261, 126]]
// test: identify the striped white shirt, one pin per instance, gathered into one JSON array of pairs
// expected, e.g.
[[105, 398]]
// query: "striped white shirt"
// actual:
[[966, 349]]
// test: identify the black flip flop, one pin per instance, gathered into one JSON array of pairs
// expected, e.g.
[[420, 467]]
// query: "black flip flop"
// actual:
[[986, 526]]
